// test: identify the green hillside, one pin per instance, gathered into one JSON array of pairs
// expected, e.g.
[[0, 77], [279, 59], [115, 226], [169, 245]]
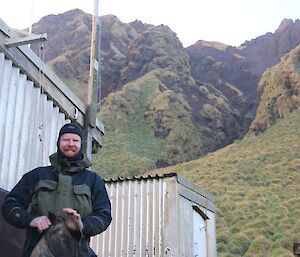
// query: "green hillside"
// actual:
[[132, 143], [256, 182]]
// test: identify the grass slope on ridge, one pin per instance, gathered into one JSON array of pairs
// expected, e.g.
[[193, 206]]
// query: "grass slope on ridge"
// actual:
[[123, 152], [280, 92], [130, 144], [256, 182]]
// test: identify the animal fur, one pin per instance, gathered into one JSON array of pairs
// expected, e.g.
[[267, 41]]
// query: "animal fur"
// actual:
[[58, 241]]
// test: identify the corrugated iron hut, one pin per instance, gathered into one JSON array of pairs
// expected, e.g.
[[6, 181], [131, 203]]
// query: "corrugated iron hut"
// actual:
[[160, 215]]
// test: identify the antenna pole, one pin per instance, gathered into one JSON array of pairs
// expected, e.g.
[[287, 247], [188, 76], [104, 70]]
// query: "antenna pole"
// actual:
[[93, 84]]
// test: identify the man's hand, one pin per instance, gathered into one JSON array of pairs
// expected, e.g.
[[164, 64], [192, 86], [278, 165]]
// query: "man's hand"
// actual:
[[74, 221], [41, 223]]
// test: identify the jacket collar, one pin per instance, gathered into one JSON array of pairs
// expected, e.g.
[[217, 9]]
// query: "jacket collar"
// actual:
[[65, 166]]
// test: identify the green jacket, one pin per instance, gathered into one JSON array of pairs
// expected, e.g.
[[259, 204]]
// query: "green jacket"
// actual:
[[52, 188]]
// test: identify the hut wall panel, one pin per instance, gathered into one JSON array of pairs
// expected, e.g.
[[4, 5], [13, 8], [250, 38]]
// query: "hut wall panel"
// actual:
[[154, 217], [137, 226], [29, 125]]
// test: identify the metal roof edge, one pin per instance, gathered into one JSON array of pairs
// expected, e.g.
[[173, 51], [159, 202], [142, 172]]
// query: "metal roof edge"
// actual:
[[141, 177], [180, 179], [192, 186]]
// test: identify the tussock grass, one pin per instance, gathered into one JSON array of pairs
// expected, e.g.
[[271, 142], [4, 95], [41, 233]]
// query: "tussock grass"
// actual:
[[130, 147], [256, 183]]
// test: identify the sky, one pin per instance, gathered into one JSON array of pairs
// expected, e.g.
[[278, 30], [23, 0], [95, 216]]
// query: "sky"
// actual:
[[230, 22]]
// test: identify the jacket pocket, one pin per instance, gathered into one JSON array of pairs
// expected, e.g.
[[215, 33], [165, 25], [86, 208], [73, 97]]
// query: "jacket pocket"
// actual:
[[83, 200], [44, 197]]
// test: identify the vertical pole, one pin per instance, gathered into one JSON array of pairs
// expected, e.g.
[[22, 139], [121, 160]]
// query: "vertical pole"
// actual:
[[31, 19], [93, 84], [296, 247]]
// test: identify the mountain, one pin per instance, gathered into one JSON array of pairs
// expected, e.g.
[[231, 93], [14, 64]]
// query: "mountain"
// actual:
[[272, 46], [176, 104], [242, 67], [219, 64], [67, 50], [256, 180], [71, 61], [162, 116]]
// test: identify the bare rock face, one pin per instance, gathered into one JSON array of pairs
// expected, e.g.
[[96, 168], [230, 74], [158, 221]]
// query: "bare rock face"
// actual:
[[218, 64], [265, 51], [156, 47], [243, 66], [116, 38]]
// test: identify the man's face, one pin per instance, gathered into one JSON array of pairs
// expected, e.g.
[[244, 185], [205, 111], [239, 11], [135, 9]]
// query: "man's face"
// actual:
[[69, 144]]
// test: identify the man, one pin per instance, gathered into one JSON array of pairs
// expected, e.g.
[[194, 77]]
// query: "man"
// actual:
[[66, 190]]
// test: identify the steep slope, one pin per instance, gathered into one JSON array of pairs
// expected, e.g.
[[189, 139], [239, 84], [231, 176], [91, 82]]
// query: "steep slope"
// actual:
[[190, 118], [218, 64], [67, 50], [271, 46], [279, 89], [162, 116], [116, 38], [251, 59], [256, 183], [256, 180], [242, 67]]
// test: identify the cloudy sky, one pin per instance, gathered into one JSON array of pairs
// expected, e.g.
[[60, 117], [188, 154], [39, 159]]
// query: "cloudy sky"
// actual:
[[227, 21]]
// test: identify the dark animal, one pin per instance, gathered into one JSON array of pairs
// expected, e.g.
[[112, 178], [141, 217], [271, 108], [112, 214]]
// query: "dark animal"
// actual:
[[58, 241], [11, 238]]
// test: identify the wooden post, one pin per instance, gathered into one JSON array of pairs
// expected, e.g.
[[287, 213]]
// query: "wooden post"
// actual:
[[296, 248], [93, 85]]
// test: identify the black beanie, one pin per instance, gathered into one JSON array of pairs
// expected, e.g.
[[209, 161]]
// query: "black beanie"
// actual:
[[70, 128], [74, 129]]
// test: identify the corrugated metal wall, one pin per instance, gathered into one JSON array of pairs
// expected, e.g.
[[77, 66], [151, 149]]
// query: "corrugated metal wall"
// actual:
[[138, 220], [154, 217], [28, 120]]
